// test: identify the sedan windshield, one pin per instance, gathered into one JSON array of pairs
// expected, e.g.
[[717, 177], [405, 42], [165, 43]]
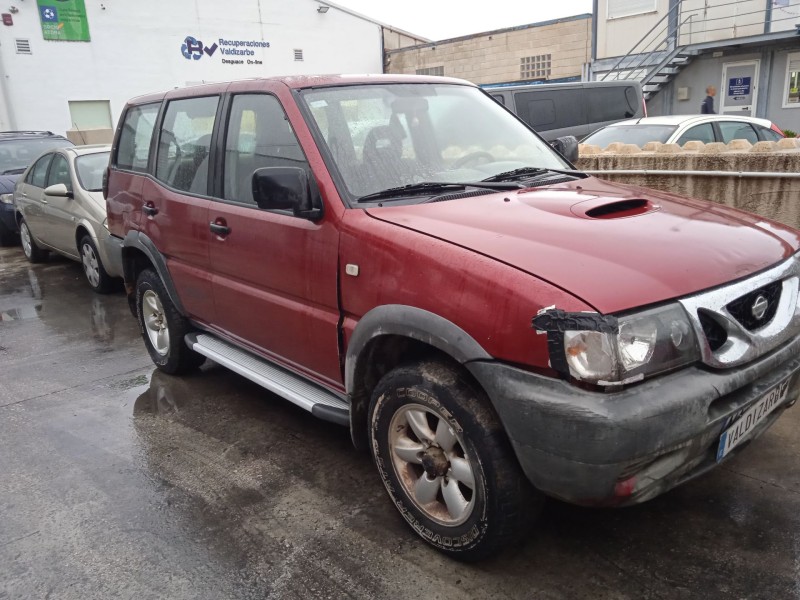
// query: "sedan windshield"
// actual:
[[90, 168], [630, 134], [16, 155], [389, 136]]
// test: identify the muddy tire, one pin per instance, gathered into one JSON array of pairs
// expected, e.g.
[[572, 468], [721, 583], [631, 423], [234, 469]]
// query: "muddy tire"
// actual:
[[446, 462], [32, 252], [100, 281], [163, 327]]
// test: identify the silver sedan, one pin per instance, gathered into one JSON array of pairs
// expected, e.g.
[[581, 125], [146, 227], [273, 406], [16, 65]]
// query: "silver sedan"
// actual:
[[60, 207]]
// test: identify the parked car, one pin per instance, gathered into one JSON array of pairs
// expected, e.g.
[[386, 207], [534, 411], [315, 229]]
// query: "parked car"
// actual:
[[559, 109], [17, 151], [493, 325], [60, 207], [679, 129]]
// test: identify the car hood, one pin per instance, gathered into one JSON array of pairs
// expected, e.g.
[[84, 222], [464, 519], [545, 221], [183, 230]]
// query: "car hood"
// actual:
[[614, 246], [7, 183]]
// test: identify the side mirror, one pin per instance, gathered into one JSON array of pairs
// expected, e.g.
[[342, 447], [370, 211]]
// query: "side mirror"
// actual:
[[567, 147], [286, 188], [59, 190]]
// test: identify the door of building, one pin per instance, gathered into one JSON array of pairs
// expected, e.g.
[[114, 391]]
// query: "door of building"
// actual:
[[739, 90]]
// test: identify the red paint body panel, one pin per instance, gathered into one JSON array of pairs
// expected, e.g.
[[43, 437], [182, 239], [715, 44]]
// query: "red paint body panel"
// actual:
[[611, 264]]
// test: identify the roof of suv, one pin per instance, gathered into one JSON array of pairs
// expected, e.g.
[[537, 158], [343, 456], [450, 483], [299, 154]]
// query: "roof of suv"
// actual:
[[27, 135]]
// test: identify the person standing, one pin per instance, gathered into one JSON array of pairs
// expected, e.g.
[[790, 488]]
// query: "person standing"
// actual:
[[707, 106]]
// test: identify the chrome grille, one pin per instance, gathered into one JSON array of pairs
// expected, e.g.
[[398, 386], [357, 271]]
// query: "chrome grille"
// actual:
[[742, 309]]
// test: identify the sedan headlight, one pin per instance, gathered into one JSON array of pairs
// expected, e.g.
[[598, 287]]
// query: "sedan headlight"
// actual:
[[6, 198], [622, 349]]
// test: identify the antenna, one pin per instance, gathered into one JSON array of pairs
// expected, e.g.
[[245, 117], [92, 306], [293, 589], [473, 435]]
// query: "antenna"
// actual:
[[78, 129]]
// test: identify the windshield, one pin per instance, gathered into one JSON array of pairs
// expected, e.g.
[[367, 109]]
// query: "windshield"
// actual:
[[90, 168], [387, 136], [630, 134], [16, 155]]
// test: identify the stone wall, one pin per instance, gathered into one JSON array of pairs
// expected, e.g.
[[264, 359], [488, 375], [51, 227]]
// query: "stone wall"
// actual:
[[494, 56], [735, 182]]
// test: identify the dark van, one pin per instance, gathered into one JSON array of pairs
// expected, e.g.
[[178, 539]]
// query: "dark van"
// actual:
[[559, 109]]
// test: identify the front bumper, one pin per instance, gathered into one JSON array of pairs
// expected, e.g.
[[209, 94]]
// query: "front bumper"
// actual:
[[626, 447]]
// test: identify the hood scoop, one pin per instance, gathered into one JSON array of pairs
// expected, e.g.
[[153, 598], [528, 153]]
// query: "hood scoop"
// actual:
[[616, 209]]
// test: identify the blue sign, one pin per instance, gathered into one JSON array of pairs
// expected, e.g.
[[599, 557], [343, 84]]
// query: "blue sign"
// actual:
[[49, 14], [739, 86]]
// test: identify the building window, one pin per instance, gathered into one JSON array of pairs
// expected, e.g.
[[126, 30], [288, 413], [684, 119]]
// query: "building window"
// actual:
[[298, 54], [437, 71], [627, 8], [23, 46], [535, 67], [791, 95]]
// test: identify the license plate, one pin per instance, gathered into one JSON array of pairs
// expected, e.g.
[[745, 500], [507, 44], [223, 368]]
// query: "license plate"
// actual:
[[739, 430]]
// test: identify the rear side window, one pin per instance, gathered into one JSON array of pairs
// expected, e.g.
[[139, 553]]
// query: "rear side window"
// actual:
[[259, 135], [38, 174], [59, 172], [768, 135], [134, 139], [185, 142], [613, 103], [699, 133], [551, 109], [736, 130]]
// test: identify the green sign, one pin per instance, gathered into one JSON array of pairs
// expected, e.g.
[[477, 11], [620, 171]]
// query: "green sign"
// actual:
[[64, 20]]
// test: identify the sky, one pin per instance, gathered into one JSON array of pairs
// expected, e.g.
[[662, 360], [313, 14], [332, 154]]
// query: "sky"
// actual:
[[442, 19]]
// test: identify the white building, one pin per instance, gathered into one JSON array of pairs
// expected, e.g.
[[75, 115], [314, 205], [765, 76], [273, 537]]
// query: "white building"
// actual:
[[125, 48], [748, 49]]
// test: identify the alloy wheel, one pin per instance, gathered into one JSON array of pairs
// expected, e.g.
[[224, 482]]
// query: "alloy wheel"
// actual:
[[155, 322]]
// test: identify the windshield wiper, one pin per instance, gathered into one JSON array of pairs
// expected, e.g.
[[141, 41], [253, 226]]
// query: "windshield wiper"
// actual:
[[430, 187], [527, 172]]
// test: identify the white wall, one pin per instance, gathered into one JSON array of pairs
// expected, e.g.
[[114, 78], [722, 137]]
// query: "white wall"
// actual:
[[136, 49]]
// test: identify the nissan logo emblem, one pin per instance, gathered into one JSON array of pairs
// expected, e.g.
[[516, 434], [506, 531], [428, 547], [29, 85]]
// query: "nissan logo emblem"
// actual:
[[759, 308]]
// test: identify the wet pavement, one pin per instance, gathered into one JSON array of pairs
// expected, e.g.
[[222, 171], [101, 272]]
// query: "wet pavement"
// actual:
[[117, 481]]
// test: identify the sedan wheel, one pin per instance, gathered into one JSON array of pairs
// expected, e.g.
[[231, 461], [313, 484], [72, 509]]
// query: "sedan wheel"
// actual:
[[32, 252], [96, 275]]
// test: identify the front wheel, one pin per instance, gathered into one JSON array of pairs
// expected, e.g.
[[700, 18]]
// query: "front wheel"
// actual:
[[446, 462], [163, 327], [32, 252], [100, 281]]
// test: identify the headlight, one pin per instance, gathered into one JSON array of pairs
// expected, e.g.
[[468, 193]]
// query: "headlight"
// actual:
[[625, 349], [6, 198]]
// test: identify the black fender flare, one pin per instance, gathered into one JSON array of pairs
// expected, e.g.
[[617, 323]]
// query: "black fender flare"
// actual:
[[414, 323], [141, 242]]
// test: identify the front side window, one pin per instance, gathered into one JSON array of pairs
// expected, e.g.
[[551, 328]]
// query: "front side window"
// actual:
[[59, 172], [699, 133], [791, 95], [38, 174], [134, 139], [390, 135], [737, 130], [185, 142], [259, 135]]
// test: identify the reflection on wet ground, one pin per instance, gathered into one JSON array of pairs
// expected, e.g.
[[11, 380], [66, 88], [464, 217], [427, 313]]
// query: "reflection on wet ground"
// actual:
[[120, 481]]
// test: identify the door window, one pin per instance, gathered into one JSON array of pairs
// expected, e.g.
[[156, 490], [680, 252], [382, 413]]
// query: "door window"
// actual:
[[59, 172], [38, 174], [767, 135], [612, 103], [551, 109], [259, 135], [699, 133], [134, 139], [185, 142], [737, 130]]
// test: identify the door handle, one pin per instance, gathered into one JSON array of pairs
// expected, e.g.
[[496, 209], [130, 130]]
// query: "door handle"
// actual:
[[219, 228], [149, 209], [44, 201]]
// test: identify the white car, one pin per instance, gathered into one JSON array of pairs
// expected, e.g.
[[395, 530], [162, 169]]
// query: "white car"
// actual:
[[679, 129]]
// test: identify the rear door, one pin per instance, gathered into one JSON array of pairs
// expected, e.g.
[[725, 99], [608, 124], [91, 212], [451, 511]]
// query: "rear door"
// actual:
[[275, 274], [32, 202], [175, 203]]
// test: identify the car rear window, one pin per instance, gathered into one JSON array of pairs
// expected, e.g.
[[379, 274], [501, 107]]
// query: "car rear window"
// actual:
[[630, 134]]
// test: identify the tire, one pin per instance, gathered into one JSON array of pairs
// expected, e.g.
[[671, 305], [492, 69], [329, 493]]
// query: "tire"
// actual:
[[163, 327], [32, 252], [100, 281], [434, 434]]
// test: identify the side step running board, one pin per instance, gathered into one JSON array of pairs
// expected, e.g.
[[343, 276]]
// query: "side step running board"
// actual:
[[320, 402]]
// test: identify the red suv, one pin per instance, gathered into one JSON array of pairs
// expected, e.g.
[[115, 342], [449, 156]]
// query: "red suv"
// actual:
[[405, 257]]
